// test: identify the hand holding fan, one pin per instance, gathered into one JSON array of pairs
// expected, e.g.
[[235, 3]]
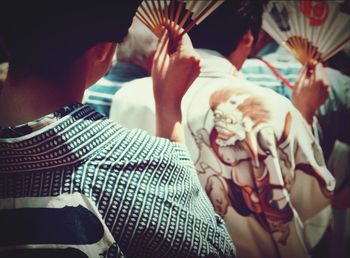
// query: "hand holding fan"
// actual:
[[179, 16], [313, 31]]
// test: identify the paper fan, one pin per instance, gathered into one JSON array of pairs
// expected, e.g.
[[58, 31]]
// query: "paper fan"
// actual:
[[313, 31], [178, 14]]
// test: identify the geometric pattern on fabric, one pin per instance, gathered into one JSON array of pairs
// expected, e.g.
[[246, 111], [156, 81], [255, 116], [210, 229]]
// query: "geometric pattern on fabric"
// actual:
[[144, 188]]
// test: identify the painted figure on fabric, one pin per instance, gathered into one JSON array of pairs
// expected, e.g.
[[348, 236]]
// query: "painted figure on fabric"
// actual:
[[261, 168]]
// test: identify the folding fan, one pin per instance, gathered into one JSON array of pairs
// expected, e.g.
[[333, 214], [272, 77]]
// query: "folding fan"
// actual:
[[313, 31], [175, 14]]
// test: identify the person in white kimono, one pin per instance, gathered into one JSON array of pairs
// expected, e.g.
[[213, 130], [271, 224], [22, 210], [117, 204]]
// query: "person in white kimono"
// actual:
[[255, 156]]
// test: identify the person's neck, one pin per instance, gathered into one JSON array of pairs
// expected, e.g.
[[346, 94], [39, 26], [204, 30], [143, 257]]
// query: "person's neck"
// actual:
[[29, 98]]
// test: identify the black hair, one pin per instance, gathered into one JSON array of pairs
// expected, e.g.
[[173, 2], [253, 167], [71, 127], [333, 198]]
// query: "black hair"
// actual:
[[2, 56], [223, 29], [46, 37]]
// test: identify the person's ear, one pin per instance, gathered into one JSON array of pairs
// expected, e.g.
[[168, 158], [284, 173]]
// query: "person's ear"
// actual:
[[247, 40], [100, 59], [104, 52]]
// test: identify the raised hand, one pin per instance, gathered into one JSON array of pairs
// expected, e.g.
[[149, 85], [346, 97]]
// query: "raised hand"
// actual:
[[175, 66], [173, 73], [311, 91]]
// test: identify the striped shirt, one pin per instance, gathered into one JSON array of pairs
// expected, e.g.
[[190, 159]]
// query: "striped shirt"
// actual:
[[250, 157], [332, 115], [83, 184], [99, 96], [256, 71]]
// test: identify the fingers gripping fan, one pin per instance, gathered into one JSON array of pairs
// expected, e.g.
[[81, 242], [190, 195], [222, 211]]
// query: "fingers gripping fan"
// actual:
[[313, 31], [178, 15]]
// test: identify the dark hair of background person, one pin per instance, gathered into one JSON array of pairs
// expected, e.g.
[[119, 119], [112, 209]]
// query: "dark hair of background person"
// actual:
[[45, 37], [3, 57], [340, 62], [223, 29]]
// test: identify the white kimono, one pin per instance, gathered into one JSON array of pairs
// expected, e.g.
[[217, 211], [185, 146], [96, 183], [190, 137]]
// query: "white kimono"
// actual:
[[255, 157]]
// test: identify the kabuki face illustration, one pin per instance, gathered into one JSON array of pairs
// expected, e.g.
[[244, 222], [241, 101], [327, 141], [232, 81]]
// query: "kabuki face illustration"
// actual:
[[230, 123], [249, 157], [236, 114]]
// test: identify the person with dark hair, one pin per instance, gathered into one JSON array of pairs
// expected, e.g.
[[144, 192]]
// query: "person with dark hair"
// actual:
[[75, 184], [245, 18], [255, 156], [277, 69], [134, 61]]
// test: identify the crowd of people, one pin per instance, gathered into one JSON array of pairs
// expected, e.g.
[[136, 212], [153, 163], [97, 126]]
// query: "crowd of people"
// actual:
[[112, 145]]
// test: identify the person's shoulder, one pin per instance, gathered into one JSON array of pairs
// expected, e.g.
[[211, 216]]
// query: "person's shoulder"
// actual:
[[146, 144], [135, 93], [135, 90], [134, 103], [136, 150], [269, 95], [138, 82]]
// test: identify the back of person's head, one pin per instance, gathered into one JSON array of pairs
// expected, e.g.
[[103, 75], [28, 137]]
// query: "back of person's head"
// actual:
[[139, 45], [223, 29], [45, 37]]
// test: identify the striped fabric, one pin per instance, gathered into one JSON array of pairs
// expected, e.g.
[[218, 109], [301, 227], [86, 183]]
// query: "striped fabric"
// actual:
[[256, 71], [99, 96], [252, 171], [142, 190], [332, 115]]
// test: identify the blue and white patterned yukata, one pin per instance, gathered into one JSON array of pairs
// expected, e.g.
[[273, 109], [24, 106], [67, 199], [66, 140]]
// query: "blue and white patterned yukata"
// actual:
[[76, 184]]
